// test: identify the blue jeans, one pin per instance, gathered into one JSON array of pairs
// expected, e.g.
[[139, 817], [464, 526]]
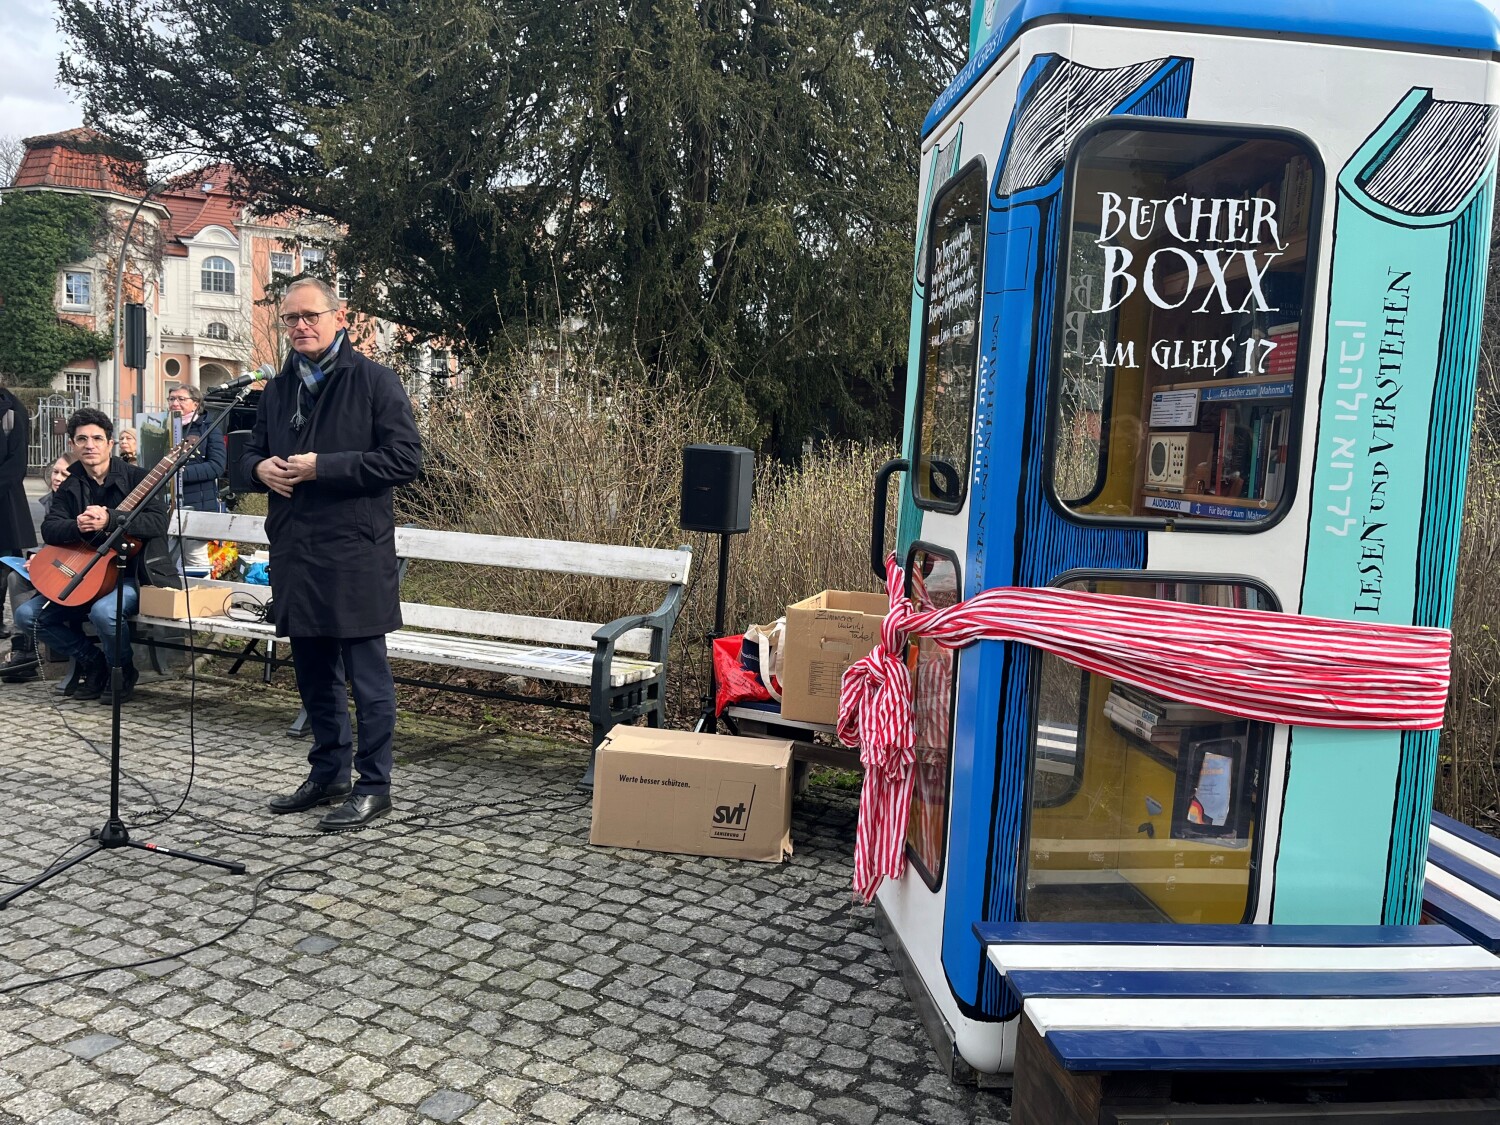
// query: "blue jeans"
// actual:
[[61, 626]]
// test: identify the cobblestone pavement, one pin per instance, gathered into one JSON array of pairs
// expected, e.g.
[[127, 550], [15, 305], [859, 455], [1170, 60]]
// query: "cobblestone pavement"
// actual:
[[469, 959]]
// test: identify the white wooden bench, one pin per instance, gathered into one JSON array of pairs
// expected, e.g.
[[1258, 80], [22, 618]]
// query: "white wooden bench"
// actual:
[[1463, 881], [1142, 1023], [623, 663]]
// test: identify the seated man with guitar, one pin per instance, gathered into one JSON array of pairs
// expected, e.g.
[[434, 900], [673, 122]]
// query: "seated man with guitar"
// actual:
[[99, 490]]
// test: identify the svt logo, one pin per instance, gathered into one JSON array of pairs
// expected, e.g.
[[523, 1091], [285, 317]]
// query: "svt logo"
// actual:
[[731, 812], [726, 815]]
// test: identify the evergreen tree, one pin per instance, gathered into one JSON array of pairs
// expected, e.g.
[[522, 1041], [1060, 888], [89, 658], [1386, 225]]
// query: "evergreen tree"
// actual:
[[730, 188]]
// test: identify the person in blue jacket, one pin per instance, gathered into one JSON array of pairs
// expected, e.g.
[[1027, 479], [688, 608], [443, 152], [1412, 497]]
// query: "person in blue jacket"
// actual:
[[333, 437], [198, 478]]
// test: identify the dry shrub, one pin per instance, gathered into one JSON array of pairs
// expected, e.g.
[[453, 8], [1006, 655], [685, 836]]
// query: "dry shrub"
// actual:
[[595, 458], [1468, 783]]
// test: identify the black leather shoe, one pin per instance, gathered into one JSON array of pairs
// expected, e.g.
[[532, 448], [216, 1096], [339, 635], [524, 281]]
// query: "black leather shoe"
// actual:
[[356, 812], [127, 687], [95, 681], [310, 795]]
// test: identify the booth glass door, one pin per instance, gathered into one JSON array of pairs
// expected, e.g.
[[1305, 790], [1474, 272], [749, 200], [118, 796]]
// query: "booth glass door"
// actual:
[[1154, 813]]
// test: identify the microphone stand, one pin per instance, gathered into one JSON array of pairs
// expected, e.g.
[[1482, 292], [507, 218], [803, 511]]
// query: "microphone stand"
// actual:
[[115, 834]]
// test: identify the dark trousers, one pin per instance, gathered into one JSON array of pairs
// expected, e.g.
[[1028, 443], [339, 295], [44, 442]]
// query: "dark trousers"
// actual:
[[323, 664]]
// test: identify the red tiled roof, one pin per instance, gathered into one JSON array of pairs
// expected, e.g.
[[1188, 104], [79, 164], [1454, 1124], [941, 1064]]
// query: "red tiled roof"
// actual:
[[55, 160], [193, 208]]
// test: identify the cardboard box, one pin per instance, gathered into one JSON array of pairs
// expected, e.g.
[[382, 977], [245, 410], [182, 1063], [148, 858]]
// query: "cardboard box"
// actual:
[[163, 601], [703, 794], [824, 635]]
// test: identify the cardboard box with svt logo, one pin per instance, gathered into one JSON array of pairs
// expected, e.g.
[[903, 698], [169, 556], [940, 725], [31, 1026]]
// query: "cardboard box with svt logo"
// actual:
[[824, 635], [703, 794]]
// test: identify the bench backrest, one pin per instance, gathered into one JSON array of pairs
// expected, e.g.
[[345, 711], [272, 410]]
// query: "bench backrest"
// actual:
[[1463, 880], [647, 564], [1176, 997]]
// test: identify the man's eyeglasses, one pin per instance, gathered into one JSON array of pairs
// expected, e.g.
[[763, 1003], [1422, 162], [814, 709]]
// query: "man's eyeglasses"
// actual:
[[291, 319]]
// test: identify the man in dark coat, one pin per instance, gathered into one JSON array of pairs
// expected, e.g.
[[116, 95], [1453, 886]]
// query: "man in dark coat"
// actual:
[[84, 510], [333, 436], [16, 531]]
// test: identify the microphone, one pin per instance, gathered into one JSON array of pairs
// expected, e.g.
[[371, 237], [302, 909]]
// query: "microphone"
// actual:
[[264, 371]]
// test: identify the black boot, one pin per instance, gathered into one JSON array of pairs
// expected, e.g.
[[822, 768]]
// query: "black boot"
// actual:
[[21, 664], [128, 678], [95, 679]]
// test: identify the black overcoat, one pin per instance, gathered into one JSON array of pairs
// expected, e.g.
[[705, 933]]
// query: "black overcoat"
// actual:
[[333, 541], [17, 532]]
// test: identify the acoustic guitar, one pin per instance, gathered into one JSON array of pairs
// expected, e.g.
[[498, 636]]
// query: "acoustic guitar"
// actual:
[[52, 568]]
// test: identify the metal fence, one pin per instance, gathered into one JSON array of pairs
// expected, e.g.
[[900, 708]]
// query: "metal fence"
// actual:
[[49, 436]]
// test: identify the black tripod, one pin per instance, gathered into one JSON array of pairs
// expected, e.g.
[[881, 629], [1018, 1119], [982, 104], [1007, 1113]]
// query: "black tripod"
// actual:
[[114, 834], [708, 720]]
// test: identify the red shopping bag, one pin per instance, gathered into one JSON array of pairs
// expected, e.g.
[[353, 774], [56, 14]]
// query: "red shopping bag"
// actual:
[[736, 683]]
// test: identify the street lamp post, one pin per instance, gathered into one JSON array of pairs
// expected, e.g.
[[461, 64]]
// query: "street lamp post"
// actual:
[[119, 340]]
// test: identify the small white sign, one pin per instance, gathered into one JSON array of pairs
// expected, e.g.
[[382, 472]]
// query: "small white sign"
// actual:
[[1174, 408]]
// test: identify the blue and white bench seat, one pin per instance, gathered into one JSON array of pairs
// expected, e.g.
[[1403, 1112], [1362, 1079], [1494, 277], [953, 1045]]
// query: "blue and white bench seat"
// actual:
[[1463, 881], [1272, 998]]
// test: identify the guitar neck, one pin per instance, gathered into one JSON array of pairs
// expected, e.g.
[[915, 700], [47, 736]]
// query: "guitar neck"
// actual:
[[162, 468]]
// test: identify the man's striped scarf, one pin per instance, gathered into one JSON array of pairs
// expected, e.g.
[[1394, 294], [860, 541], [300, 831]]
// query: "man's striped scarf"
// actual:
[[314, 375]]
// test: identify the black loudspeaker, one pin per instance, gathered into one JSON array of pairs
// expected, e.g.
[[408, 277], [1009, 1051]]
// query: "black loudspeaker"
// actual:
[[238, 439], [716, 483]]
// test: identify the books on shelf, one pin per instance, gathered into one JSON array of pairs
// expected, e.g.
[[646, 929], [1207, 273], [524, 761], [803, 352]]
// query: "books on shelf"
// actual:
[[1296, 197], [1151, 717], [1282, 359]]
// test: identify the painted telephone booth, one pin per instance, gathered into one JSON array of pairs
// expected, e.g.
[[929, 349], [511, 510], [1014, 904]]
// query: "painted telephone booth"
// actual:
[[1196, 307]]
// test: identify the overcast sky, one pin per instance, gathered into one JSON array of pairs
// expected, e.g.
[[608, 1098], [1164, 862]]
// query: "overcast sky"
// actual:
[[30, 102]]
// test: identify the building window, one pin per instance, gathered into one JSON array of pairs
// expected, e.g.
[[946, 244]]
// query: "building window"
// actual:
[[1184, 324], [313, 260], [281, 264], [217, 330], [218, 275], [81, 386], [174, 368], [78, 290], [345, 285]]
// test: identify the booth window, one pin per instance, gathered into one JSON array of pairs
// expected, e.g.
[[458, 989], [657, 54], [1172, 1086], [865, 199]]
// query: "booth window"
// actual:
[[932, 583], [1183, 324], [1142, 808], [950, 341]]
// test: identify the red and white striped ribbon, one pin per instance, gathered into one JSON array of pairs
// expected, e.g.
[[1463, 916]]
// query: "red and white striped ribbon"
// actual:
[[1276, 667]]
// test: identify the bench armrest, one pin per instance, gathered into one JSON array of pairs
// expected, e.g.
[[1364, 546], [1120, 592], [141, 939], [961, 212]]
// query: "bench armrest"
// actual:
[[660, 621]]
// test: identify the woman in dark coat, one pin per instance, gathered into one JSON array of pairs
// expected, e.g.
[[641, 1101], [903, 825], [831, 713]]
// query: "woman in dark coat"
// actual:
[[16, 530]]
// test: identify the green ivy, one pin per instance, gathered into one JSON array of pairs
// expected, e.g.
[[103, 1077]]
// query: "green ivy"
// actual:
[[40, 232]]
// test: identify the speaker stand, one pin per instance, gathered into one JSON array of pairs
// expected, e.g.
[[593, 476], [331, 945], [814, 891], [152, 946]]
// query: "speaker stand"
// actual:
[[708, 720]]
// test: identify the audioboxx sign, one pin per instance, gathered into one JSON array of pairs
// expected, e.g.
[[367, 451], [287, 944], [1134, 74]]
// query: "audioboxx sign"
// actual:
[[675, 791]]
